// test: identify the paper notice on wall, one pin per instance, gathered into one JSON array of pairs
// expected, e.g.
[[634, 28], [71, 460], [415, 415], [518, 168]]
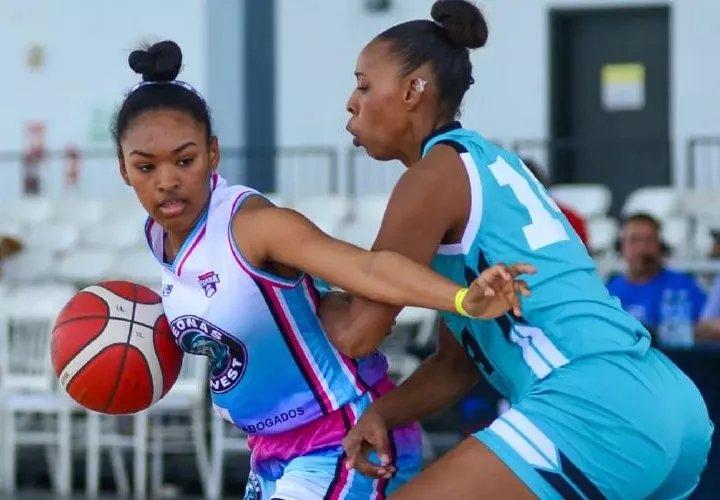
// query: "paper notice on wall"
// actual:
[[622, 87]]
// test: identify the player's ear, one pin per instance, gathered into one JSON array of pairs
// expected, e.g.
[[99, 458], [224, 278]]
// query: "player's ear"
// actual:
[[415, 87], [123, 170], [214, 153]]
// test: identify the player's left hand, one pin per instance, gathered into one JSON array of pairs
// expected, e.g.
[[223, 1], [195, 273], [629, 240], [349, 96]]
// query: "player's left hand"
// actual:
[[497, 291]]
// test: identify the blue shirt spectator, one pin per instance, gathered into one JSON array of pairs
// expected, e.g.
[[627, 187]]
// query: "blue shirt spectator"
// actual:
[[669, 303], [644, 300]]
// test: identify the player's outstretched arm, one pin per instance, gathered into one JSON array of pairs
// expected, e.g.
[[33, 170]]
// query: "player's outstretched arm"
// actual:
[[429, 205], [283, 236], [441, 380]]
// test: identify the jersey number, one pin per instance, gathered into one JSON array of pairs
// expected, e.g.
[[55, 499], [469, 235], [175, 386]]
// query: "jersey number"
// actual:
[[544, 228]]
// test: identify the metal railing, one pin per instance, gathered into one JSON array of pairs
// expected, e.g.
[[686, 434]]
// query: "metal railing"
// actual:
[[323, 170], [703, 162], [298, 171]]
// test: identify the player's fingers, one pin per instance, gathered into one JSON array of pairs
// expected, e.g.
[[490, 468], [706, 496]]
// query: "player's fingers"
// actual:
[[481, 287], [521, 287], [517, 269], [353, 448], [365, 467], [380, 443], [502, 271]]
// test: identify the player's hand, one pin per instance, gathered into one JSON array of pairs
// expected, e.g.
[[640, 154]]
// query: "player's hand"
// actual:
[[497, 291], [369, 434]]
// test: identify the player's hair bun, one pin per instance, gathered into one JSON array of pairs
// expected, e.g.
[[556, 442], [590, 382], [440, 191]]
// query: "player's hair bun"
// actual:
[[462, 21], [160, 62]]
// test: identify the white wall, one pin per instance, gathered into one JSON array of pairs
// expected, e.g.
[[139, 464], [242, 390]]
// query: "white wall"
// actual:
[[85, 76], [317, 56]]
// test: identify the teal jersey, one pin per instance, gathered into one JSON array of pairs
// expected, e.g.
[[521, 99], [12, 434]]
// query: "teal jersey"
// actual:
[[570, 313]]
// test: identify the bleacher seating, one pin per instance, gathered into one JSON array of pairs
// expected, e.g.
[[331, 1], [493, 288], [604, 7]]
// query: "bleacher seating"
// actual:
[[77, 240]]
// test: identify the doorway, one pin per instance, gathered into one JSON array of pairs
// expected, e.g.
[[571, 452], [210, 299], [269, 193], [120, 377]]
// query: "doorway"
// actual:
[[610, 98]]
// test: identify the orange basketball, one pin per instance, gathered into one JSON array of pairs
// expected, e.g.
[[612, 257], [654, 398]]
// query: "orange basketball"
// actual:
[[112, 348]]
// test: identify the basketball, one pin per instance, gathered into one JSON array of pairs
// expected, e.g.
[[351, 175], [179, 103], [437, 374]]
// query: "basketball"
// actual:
[[112, 348]]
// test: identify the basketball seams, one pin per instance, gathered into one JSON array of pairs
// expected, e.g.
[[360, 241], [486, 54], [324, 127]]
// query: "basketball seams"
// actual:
[[79, 318], [131, 317], [118, 376], [155, 392], [94, 338], [146, 364]]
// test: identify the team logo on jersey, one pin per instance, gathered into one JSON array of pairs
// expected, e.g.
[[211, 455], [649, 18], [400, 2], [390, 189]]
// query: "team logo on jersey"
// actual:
[[228, 356], [208, 282], [167, 289], [252, 489]]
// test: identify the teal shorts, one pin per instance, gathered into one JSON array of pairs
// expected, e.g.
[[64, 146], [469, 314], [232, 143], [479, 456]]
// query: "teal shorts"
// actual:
[[612, 426]]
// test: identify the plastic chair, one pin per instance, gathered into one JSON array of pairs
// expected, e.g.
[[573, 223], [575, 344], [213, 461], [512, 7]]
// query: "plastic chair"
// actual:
[[86, 267], [589, 200], [28, 384], [660, 201]]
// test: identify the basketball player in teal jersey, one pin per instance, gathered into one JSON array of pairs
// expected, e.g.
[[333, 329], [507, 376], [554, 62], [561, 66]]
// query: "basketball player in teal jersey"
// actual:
[[596, 412]]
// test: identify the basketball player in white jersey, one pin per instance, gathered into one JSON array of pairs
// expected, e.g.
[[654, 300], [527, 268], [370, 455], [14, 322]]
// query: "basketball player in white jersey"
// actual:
[[235, 290]]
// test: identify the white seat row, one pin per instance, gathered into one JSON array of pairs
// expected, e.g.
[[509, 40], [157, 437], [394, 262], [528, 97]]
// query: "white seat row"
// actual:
[[116, 226], [77, 211], [82, 267]]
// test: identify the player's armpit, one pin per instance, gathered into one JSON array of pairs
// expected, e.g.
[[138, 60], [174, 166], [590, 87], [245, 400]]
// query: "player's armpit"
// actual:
[[429, 200]]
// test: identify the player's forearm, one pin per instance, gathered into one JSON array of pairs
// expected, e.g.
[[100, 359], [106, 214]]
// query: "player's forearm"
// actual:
[[356, 328], [397, 280], [435, 385]]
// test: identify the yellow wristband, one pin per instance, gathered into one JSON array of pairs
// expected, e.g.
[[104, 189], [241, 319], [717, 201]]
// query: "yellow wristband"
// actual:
[[459, 298]]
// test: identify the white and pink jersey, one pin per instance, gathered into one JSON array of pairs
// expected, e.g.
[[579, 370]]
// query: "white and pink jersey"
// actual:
[[272, 368]]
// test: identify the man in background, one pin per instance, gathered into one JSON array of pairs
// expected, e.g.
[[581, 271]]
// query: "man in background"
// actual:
[[574, 218], [668, 302]]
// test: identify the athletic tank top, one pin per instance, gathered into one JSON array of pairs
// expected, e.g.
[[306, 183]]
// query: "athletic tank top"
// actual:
[[271, 366], [570, 313]]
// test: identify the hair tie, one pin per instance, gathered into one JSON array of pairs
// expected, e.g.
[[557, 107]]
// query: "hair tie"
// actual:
[[178, 83]]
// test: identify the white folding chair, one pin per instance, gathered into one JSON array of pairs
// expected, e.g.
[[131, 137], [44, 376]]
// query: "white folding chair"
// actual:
[[661, 202], [326, 212], [26, 210], [104, 432], [370, 206], [28, 385], [589, 200], [676, 234], [139, 266], [127, 209], [11, 229], [225, 437], [119, 236], [31, 265], [602, 234], [85, 267], [55, 237], [361, 231], [178, 423], [77, 210]]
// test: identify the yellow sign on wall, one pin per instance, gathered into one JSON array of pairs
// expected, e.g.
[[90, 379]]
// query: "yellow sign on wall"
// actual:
[[622, 86]]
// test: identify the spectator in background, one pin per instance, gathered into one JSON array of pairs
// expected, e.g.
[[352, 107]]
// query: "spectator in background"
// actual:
[[708, 328], [574, 218], [667, 302], [715, 249], [9, 246]]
